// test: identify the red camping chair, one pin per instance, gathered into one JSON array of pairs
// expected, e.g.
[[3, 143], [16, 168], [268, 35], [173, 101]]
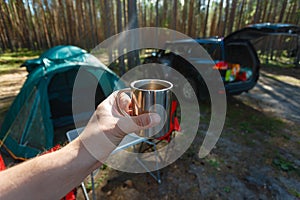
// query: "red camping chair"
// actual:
[[2, 164], [174, 126], [174, 123]]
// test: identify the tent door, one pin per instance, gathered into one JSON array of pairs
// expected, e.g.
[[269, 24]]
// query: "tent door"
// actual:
[[60, 93]]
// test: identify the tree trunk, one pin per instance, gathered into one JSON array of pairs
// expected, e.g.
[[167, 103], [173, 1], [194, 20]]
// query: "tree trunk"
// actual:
[[112, 18], [56, 27], [79, 22], [226, 17], [219, 25], [164, 18], [86, 27], [51, 22], [264, 10], [190, 19], [241, 14], [283, 10], [212, 31], [293, 17], [232, 16], [269, 13], [3, 41], [32, 27], [133, 57], [16, 25], [62, 22], [206, 19], [38, 26], [157, 13], [184, 17], [44, 24], [91, 24], [257, 15], [274, 12], [7, 24], [119, 16], [75, 28], [174, 12], [120, 46], [96, 25], [23, 24]]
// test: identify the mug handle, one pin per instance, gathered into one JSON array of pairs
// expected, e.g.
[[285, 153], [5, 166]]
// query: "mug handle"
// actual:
[[121, 111]]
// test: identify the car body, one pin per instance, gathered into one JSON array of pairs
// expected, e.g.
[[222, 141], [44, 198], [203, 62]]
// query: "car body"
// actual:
[[239, 73], [234, 56]]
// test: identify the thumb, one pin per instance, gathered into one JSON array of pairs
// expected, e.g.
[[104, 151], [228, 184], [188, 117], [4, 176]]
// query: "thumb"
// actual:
[[140, 122]]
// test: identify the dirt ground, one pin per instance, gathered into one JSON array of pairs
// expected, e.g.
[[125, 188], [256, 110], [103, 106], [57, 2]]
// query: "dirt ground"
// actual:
[[10, 84], [256, 157]]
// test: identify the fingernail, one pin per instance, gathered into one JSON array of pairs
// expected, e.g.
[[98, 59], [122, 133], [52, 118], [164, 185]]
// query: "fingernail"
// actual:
[[155, 118]]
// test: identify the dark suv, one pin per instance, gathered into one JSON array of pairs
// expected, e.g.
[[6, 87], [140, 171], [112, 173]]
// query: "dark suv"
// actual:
[[236, 61], [234, 56]]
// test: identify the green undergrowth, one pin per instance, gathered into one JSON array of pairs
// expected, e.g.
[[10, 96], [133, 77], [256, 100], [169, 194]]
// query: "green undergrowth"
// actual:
[[11, 61]]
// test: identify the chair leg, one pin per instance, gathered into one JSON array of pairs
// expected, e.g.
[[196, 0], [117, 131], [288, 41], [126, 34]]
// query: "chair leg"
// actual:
[[84, 191], [157, 177], [93, 186]]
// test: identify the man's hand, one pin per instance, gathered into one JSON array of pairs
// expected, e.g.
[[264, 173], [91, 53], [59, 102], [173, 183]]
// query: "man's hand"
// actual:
[[107, 127]]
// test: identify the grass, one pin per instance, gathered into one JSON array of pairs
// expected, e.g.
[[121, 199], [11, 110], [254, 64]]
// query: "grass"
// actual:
[[214, 163], [8, 68], [294, 192], [247, 120], [227, 189], [22, 53], [283, 164], [10, 61], [282, 61], [18, 57], [283, 78]]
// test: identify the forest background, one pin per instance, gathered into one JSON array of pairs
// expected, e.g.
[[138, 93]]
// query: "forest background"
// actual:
[[41, 24]]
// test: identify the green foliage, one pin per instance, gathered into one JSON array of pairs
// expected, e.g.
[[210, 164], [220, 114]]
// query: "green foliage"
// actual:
[[294, 192], [282, 61], [267, 124], [283, 164], [246, 127], [12, 60], [247, 121], [7, 68], [17, 57], [227, 189], [19, 54], [214, 162]]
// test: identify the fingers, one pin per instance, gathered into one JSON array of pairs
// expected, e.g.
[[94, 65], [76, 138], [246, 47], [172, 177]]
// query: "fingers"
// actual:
[[146, 120], [124, 101], [140, 122], [127, 123]]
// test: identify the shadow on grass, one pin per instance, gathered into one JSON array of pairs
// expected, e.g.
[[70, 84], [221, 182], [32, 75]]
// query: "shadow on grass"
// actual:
[[284, 70]]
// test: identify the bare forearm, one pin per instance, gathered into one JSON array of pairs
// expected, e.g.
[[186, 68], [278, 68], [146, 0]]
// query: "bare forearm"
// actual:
[[53, 175], [49, 176]]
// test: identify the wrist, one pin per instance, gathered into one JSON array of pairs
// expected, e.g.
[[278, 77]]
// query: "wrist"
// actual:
[[96, 144]]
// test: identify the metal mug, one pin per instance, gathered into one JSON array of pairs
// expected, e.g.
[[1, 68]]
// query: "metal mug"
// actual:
[[151, 95]]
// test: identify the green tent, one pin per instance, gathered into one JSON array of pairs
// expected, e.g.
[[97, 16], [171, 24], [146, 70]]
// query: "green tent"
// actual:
[[42, 112]]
